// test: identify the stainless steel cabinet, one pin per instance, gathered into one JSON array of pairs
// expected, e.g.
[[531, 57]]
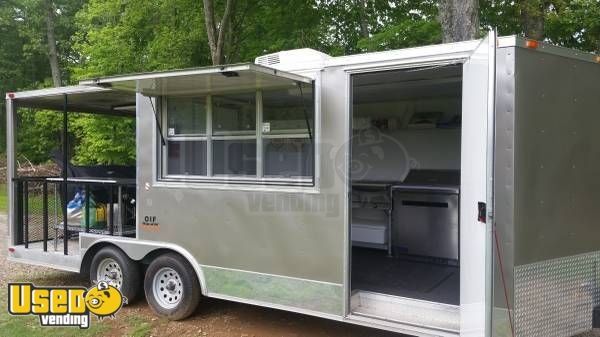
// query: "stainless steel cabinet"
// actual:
[[425, 222]]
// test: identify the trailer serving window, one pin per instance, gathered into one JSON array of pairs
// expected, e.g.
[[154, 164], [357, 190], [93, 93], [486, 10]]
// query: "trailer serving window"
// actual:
[[241, 123], [263, 136]]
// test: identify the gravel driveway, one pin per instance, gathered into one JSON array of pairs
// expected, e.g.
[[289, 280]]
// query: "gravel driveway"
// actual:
[[213, 317]]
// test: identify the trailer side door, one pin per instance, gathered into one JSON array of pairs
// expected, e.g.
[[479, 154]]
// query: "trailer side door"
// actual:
[[476, 192]]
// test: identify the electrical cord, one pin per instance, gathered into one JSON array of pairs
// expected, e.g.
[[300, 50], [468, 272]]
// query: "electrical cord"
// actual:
[[501, 266]]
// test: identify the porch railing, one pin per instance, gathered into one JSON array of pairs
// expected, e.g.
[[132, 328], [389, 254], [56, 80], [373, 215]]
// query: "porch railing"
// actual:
[[39, 209]]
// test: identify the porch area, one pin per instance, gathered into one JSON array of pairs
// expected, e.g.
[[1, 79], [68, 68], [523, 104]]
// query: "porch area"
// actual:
[[47, 214], [101, 205]]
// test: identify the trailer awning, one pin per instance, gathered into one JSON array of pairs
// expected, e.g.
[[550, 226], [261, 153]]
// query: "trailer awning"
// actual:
[[199, 81], [84, 99]]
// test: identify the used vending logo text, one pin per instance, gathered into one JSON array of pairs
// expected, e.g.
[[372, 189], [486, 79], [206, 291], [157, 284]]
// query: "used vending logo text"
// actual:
[[64, 306]]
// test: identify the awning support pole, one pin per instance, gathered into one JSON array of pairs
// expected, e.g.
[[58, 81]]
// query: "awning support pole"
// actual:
[[15, 217], [158, 124], [64, 173], [45, 214], [308, 128]]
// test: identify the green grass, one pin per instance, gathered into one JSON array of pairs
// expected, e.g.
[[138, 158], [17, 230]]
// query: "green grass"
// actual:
[[30, 326], [35, 201], [3, 198], [138, 327]]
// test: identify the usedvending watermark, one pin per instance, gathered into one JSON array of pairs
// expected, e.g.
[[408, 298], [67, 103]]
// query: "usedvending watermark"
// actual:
[[373, 153], [64, 306]]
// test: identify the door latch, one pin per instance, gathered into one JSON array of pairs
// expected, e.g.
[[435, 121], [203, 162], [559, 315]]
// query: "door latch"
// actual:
[[482, 212]]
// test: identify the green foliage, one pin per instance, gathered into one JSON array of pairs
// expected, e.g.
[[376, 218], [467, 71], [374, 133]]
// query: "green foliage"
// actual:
[[105, 37], [390, 24], [575, 24], [405, 34], [24, 65], [11, 70], [118, 36], [503, 15], [115, 37], [29, 29], [269, 26], [104, 140], [167, 34], [568, 23], [38, 134]]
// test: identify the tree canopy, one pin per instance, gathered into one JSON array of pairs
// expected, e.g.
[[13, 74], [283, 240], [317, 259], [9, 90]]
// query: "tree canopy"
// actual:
[[43, 41]]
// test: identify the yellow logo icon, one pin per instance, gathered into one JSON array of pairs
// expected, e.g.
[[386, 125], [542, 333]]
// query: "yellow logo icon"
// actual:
[[104, 300], [64, 306]]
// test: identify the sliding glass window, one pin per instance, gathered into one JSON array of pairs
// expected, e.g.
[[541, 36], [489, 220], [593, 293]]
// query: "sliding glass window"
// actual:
[[287, 131], [234, 134], [186, 136], [259, 136]]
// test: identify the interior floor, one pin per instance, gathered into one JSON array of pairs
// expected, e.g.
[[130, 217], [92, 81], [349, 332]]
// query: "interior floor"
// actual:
[[373, 270]]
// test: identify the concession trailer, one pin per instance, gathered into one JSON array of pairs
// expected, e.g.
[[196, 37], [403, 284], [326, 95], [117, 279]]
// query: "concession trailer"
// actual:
[[446, 190]]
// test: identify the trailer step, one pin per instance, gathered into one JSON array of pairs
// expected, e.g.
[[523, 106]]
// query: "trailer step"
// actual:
[[418, 313]]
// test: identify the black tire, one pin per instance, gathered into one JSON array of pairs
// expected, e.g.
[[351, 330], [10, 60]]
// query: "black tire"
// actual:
[[171, 286], [126, 272]]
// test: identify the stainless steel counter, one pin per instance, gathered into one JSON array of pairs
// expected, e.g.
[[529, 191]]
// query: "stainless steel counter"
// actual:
[[422, 212]]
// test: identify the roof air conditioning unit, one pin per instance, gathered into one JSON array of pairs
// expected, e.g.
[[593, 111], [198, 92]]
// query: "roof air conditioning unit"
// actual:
[[296, 59]]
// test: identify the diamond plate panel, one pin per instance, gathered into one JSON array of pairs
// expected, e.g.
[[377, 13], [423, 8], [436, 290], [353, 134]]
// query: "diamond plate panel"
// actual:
[[555, 298]]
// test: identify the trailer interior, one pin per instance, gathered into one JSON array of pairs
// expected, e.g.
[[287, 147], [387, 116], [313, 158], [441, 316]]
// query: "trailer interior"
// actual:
[[96, 199], [405, 174]]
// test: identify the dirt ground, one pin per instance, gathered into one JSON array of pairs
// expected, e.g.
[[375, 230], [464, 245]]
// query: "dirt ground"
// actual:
[[213, 317]]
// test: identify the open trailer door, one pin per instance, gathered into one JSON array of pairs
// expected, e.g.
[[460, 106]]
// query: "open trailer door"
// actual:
[[476, 189]]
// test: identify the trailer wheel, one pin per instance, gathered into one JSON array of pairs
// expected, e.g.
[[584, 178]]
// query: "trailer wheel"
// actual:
[[171, 286], [110, 264]]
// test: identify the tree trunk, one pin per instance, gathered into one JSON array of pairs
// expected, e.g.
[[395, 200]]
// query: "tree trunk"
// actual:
[[217, 34], [364, 26], [52, 51], [459, 20], [532, 18]]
